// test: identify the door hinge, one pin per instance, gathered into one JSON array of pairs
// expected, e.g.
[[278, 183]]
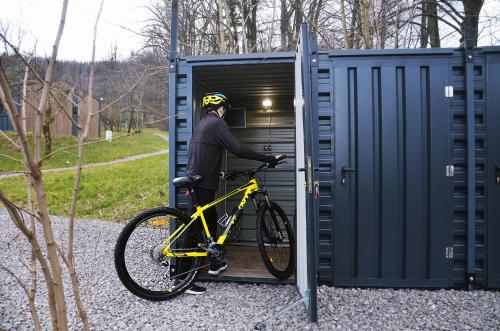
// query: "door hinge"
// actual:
[[448, 252], [448, 91], [450, 171]]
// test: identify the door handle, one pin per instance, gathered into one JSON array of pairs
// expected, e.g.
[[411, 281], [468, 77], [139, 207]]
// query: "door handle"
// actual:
[[304, 169], [344, 172]]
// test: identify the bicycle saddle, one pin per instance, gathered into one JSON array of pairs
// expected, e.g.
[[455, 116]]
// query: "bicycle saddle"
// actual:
[[186, 181]]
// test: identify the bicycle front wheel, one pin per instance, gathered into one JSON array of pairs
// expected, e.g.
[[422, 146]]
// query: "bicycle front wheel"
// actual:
[[139, 260], [275, 240]]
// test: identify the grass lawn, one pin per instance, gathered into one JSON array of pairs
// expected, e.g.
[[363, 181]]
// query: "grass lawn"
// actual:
[[114, 192], [145, 142]]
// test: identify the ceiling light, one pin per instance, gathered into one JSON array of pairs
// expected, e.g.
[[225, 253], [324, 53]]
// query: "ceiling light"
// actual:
[[267, 103]]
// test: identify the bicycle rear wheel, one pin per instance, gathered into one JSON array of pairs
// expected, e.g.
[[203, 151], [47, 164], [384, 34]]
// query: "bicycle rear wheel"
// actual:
[[275, 240], [139, 260]]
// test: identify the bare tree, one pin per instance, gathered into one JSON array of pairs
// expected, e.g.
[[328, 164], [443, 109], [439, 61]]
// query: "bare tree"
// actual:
[[50, 265], [53, 276]]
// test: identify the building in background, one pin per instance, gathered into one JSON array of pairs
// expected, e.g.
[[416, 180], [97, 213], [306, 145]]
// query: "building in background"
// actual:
[[65, 107]]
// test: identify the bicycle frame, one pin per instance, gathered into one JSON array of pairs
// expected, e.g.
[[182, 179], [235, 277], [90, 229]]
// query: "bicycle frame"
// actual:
[[248, 189]]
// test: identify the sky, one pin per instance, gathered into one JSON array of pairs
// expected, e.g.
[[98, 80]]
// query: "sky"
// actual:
[[40, 20], [119, 20]]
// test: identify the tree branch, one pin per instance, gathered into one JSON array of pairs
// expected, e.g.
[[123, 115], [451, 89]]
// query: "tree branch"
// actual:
[[11, 158], [10, 140]]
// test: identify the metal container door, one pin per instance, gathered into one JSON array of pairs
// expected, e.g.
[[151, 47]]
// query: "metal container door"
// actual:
[[392, 209], [307, 203]]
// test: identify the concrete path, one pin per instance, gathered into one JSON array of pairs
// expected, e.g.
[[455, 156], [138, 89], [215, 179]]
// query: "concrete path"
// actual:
[[162, 136]]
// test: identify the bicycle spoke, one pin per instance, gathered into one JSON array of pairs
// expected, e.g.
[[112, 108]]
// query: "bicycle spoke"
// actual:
[[145, 262]]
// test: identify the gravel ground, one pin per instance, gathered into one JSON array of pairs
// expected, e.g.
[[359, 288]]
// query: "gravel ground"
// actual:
[[228, 306]]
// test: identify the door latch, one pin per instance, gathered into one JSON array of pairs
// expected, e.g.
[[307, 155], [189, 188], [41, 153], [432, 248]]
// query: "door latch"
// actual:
[[448, 252], [316, 189], [497, 174], [450, 171], [344, 172]]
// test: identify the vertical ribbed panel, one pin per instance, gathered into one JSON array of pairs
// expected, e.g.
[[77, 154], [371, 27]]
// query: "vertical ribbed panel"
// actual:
[[459, 141], [326, 169], [391, 225], [280, 135], [180, 130], [387, 117]]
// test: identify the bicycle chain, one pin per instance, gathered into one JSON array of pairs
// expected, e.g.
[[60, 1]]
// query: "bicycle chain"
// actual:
[[186, 250]]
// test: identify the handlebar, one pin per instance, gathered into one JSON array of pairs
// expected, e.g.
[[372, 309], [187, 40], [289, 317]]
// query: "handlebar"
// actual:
[[232, 175]]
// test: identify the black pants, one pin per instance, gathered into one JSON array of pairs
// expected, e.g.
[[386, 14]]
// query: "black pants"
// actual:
[[204, 196]]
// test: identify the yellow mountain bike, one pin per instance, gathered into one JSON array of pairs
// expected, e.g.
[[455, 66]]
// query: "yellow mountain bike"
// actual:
[[159, 252]]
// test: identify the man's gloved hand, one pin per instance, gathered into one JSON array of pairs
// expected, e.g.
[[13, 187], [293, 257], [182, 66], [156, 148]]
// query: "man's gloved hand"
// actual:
[[273, 163]]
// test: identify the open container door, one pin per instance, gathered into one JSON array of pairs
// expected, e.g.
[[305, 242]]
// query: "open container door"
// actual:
[[307, 184], [307, 189]]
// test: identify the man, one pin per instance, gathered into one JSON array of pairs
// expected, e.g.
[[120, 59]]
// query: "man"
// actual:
[[210, 136]]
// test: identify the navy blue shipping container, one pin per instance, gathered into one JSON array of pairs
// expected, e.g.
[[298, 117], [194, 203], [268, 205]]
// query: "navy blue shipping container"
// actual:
[[401, 151]]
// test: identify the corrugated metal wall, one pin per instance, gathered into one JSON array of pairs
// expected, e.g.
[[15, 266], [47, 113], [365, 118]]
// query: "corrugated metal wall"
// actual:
[[279, 182], [180, 128], [485, 87], [459, 148], [400, 219], [391, 120], [326, 118]]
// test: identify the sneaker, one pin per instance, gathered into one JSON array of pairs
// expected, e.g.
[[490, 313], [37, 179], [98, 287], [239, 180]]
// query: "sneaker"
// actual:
[[217, 268], [196, 290]]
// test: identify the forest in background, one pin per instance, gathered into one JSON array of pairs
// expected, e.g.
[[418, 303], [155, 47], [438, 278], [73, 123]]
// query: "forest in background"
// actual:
[[244, 26]]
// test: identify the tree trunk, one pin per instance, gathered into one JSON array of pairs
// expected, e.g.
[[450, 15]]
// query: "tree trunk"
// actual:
[[244, 41], [355, 25], [365, 24], [283, 26], [382, 28], [424, 37], [234, 25], [227, 25], [43, 210], [298, 17], [220, 27], [472, 8], [343, 18], [396, 33], [23, 101], [252, 27], [432, 24], [48, 118]]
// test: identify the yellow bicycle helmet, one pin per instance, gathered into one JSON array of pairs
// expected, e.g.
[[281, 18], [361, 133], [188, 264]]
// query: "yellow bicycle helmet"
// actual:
[[214, 100]]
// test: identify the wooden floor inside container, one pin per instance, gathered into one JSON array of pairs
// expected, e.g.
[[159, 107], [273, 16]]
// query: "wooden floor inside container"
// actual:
[[244, 265]]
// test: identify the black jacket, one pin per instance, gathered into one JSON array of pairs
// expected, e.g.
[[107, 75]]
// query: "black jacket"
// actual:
[[211, 135]]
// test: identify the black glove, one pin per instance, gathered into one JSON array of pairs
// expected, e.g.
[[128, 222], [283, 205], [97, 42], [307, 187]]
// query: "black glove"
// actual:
[[273, 162]]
